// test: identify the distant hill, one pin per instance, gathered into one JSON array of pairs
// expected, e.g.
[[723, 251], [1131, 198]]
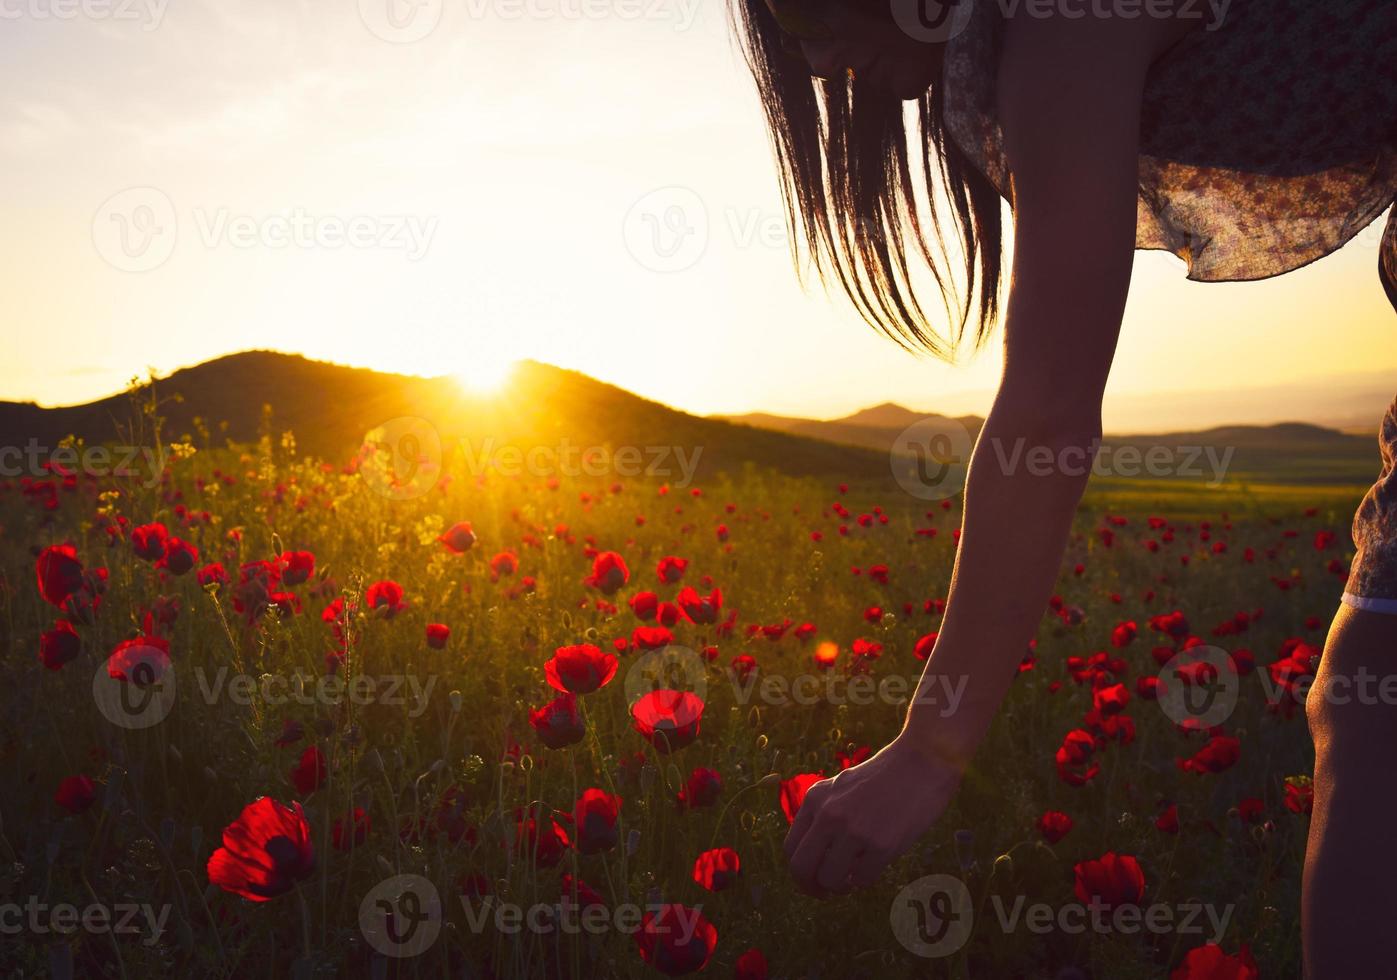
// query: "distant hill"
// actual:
[[1291, 452], [872, 428], [330, 408]]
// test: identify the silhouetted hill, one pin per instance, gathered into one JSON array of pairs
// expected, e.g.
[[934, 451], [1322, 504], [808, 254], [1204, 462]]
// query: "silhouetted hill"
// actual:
[[330, 408], [1286, 452]]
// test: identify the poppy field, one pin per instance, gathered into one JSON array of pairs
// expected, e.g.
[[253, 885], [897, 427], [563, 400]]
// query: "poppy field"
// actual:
[[253, 705]]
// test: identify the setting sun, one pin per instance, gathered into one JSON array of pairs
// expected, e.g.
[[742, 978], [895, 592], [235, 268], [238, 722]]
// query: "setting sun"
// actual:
[[485, 375]]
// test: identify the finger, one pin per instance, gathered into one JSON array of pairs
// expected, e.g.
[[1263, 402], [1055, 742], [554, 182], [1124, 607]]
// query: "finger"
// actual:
[[805, 819], [867, 868], [833, 875], [805, 863]]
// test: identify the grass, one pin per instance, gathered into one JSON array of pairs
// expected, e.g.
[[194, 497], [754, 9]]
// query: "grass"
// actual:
[[442, 787]]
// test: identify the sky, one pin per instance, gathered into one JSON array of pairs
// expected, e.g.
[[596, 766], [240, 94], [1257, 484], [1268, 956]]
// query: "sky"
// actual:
[[445, 186]]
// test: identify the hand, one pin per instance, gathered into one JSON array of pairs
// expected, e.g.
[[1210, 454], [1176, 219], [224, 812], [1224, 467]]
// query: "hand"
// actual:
[[850, 827]]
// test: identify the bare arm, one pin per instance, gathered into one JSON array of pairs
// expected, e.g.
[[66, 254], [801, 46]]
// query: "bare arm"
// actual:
[[1069, 106]]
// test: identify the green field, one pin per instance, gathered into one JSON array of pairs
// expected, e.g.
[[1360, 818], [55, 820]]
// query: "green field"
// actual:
[[443, 781]]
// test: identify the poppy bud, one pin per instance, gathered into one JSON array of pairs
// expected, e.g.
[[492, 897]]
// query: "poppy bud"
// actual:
[[770, 779], [456, 700], [1004, 864]]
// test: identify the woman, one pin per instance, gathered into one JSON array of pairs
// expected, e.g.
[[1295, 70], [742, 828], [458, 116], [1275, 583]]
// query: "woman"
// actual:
[[1249, 142]]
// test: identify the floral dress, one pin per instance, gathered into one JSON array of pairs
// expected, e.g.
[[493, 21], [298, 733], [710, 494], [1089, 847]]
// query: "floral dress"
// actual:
[[1268, 140]]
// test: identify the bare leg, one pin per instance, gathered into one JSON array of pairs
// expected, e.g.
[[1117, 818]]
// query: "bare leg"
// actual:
[[1349, 905]]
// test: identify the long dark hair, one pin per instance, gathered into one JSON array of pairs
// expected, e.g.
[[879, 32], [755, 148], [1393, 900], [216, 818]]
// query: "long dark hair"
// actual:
[[845, 158]]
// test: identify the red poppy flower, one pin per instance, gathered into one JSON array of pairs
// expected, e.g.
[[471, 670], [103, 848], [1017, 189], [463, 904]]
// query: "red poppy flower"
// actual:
[[595, 817], [669, 720], [179, 558], [1124, 634], [825, 655], [1220, 754], [437, 635], [717, 869], [1251, 809], [1074, 758], [847, 760], [1209, 962], [75, 793], [309, 773], [505, 563], [676, 940], [1112, 880], [149, 541], [1054, 825], [265, 851], [59, 645], [751, 965], [459, 538], [579, 669], [387, 596], [645, 605], [924, 646], [1299, 795], [558, 722], [540, 837], [609, 573], [141, 661], [703, 788], [743, 665], [59, 573], [651, 637], [1168, 821], [296, 566], [351, 830], [700, 609], [212, 574], [671, 569], [793, 792], [1110, 700]]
